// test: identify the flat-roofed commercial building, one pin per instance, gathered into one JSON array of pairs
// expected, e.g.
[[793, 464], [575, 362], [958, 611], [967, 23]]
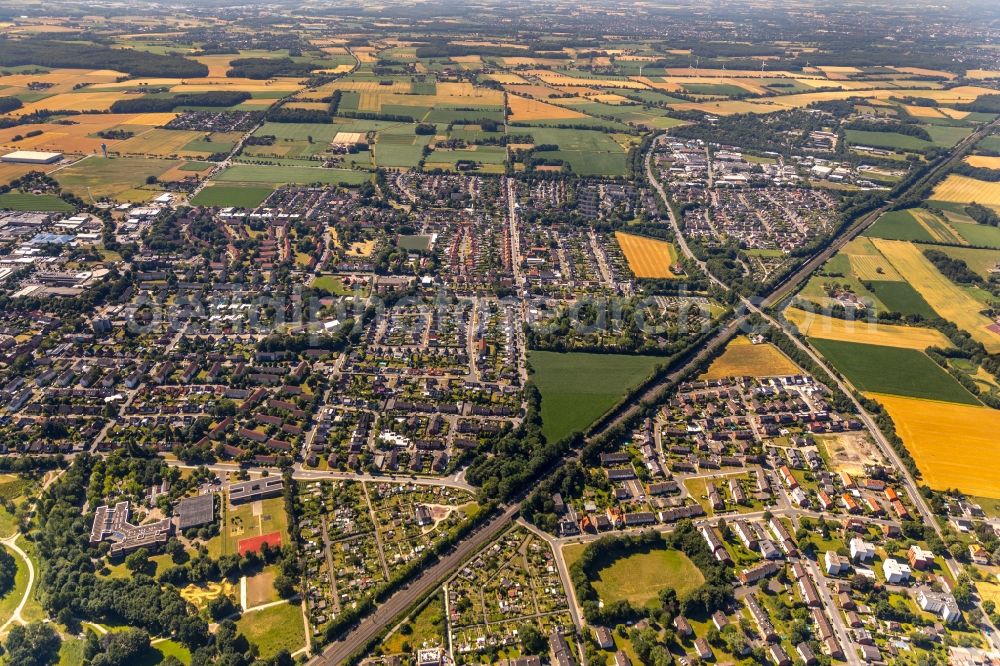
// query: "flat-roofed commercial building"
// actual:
[[249, 491], [31, 157]]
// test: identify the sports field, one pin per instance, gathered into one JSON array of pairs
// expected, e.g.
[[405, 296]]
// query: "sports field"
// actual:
[[578, 388], [647, 257], [639, 577], [962, 189], [954, 446], [948, 299], [832, 328], [742, 358], [893, 370], [252, 519]]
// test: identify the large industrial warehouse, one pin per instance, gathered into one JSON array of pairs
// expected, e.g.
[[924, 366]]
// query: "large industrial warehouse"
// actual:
[[31, 157]]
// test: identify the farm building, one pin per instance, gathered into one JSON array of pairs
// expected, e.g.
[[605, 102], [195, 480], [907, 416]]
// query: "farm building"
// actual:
[[31, 157]]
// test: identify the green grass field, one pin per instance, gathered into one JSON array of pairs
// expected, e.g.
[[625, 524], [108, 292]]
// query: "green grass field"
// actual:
[[901, 297], [578, 388], [283, 175], [906, 372], [947, 135], [588, 152], [273, 629], [899, 225], [34, 202], [715, 89], [892, 140], [195, 166], [99, 177], [638, 577], [332, 285], [239, 196]]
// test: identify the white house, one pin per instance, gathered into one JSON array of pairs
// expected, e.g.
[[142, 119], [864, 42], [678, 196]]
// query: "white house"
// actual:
[[895, 571], [861, 550], [941, 604]]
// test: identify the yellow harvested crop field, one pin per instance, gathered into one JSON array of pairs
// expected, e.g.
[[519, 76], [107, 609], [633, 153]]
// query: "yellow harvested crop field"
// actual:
[[506, 79], [81, 101], [9, 172], [81, 136], [953, 113], [920, 71], [557, 79], [944, 296], [954, 446], [984, 161], [983, 74], [524, 108], [742, 358], [815, 325], [962, 189], [801, 100], [217, 65], [246, 85], [647, 257], [161, 143], [923, 111]]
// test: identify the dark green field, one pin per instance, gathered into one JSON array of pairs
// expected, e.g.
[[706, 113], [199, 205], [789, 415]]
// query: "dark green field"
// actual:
[[907, 372], [901, 297], [34, 202], [231, 195], [891, 140], [578, 388], [899, 225]]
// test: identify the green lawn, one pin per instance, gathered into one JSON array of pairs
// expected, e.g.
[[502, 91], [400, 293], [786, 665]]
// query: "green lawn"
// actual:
[[34, 202], [578, 388], [639, 577], [283, 175], [893, 370], [239, 196], [273, 629], [333, 285]]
